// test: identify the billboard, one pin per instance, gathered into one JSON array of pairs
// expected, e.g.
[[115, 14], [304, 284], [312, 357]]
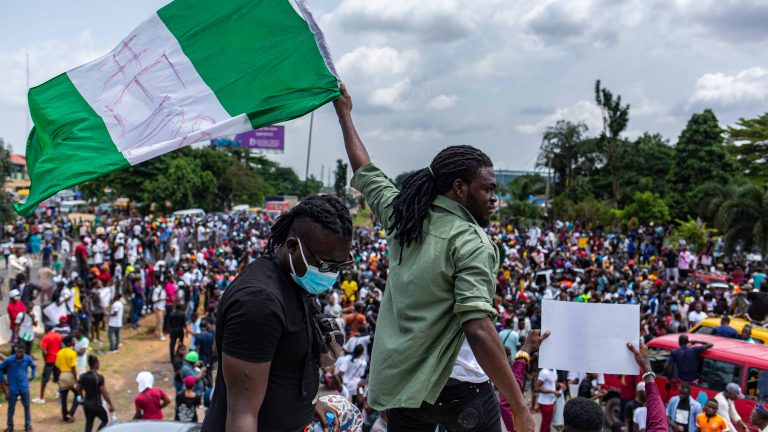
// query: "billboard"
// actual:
[[268, 138]]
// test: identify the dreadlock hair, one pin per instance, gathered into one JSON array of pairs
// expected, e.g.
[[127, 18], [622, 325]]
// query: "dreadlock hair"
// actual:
[[411, 206], [326, 211]]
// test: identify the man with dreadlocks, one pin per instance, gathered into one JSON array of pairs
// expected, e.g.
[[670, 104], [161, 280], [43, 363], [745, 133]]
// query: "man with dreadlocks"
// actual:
[[268, 375], [435, 338]]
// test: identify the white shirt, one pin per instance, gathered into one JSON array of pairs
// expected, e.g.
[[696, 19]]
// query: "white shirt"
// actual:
[[117, 309], [696, 317], [158, 298], [548, 378], [82, 359], [467, 368], [353, 370], [640, 416]]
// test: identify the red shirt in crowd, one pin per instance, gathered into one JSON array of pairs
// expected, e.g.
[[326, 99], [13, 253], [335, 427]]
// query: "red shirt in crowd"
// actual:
[[15, 308], [149, 402], [81, 251], [51, 343]]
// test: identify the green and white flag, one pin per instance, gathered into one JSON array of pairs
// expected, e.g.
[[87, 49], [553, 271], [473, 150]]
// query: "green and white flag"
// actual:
[[195, 70]]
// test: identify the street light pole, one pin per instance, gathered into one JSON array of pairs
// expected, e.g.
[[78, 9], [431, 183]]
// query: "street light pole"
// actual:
[[309, 150]]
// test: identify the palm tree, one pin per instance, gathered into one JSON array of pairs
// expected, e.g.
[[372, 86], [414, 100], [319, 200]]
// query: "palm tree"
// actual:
[[560, 150], [744, 219]]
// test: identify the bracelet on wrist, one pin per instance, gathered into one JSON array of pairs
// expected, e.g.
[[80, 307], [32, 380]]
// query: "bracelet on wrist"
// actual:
[[649, 374], [522, 355]]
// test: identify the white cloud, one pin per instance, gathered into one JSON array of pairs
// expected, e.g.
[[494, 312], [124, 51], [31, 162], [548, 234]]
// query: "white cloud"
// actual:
[[740, 22], [376, 62], [433, 20], [392, 96], [750, 86], [582, 111], [442, 102], [404, 135]]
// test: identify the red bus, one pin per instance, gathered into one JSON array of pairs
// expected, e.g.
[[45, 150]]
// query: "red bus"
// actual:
[[729, 360]]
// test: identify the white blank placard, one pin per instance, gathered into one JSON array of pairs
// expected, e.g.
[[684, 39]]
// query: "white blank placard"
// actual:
[[589, 337]]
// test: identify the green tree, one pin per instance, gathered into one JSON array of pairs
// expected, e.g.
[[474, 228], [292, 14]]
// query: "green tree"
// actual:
[[694, 233], [560, 150], [750, 146], [743, 219], [401, 178], [340, 184], [519, 207], [699, 157], [615, 120], [646, 207], [644, 164], [7, 214]]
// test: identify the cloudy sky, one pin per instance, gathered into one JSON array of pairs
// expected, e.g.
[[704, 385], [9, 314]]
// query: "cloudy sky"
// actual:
[[431, 73]]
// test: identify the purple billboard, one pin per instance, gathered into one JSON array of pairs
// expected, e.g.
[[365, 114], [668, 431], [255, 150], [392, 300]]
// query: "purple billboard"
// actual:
[[266, 138]]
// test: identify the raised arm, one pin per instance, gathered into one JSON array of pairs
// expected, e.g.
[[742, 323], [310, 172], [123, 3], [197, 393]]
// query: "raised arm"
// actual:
[[656, 413], [246, 388], [358, 155]]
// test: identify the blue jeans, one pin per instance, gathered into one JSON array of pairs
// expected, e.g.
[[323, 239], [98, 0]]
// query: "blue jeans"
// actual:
[[114, 338], [13, 395], [138, 303]]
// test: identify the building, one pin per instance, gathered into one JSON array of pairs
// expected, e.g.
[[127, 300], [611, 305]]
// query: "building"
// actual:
[[18, 178], [504, 177]]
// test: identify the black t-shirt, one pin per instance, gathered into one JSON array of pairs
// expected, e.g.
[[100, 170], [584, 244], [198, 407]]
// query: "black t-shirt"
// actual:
[[204, 342], [186, 408], [262, 318], [758, 309], [91, 382], [176, 321], [670, 259]]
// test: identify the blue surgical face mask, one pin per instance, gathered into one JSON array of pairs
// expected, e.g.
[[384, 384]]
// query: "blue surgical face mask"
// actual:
[[314, 281]]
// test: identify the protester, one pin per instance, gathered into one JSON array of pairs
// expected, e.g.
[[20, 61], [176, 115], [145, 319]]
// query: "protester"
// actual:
[[66, 363], [727, 409], [709, 420], [759, 418], [25, 327], [683, 410], [14, 308], [116, 310], [177, 325], [187, 402], [686, 359], [151, 400], [724, 329], [635, 404], [262, 328], [453, 270], [92, 389], [13, 370], [49, 347]]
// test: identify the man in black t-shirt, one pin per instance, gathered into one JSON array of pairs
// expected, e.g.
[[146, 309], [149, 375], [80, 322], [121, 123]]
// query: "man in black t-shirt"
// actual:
[[268, 370], [92, 389]]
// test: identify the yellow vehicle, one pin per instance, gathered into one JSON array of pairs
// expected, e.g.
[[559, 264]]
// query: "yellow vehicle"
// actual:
[[760, 334]]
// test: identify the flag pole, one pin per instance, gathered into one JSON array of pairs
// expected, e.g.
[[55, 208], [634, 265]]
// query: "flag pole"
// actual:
[[309, 150]]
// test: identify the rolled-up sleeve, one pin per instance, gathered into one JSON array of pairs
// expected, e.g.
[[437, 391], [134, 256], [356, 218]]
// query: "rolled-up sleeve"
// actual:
[[378, 191], [475, 279]]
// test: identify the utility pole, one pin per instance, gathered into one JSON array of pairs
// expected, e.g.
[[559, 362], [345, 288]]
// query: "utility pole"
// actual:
[[26, 113], [309, 149]]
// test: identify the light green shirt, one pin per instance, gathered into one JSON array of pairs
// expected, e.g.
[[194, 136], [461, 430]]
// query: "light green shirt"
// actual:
[[432, 288]]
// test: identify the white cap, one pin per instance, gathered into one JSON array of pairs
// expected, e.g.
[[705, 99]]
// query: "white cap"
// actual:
[[640, 386], [14, 293]]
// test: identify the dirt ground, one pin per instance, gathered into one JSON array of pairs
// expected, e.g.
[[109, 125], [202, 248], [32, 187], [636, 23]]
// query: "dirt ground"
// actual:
[[139, 351]]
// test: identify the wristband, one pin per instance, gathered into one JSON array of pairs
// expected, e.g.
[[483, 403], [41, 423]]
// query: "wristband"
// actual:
[[522, 355], [649, 374]]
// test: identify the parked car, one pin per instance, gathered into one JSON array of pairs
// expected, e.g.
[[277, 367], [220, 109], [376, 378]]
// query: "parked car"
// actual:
[[153, 426], [760, 334], [729, 360]]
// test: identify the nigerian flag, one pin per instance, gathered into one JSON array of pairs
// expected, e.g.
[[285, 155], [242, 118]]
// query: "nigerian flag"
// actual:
[[195, 70]]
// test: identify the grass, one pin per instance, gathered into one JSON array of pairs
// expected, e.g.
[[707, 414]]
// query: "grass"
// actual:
[[362, 218]]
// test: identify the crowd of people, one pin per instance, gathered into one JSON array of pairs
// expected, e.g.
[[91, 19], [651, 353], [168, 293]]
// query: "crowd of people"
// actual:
[[96, 279]]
